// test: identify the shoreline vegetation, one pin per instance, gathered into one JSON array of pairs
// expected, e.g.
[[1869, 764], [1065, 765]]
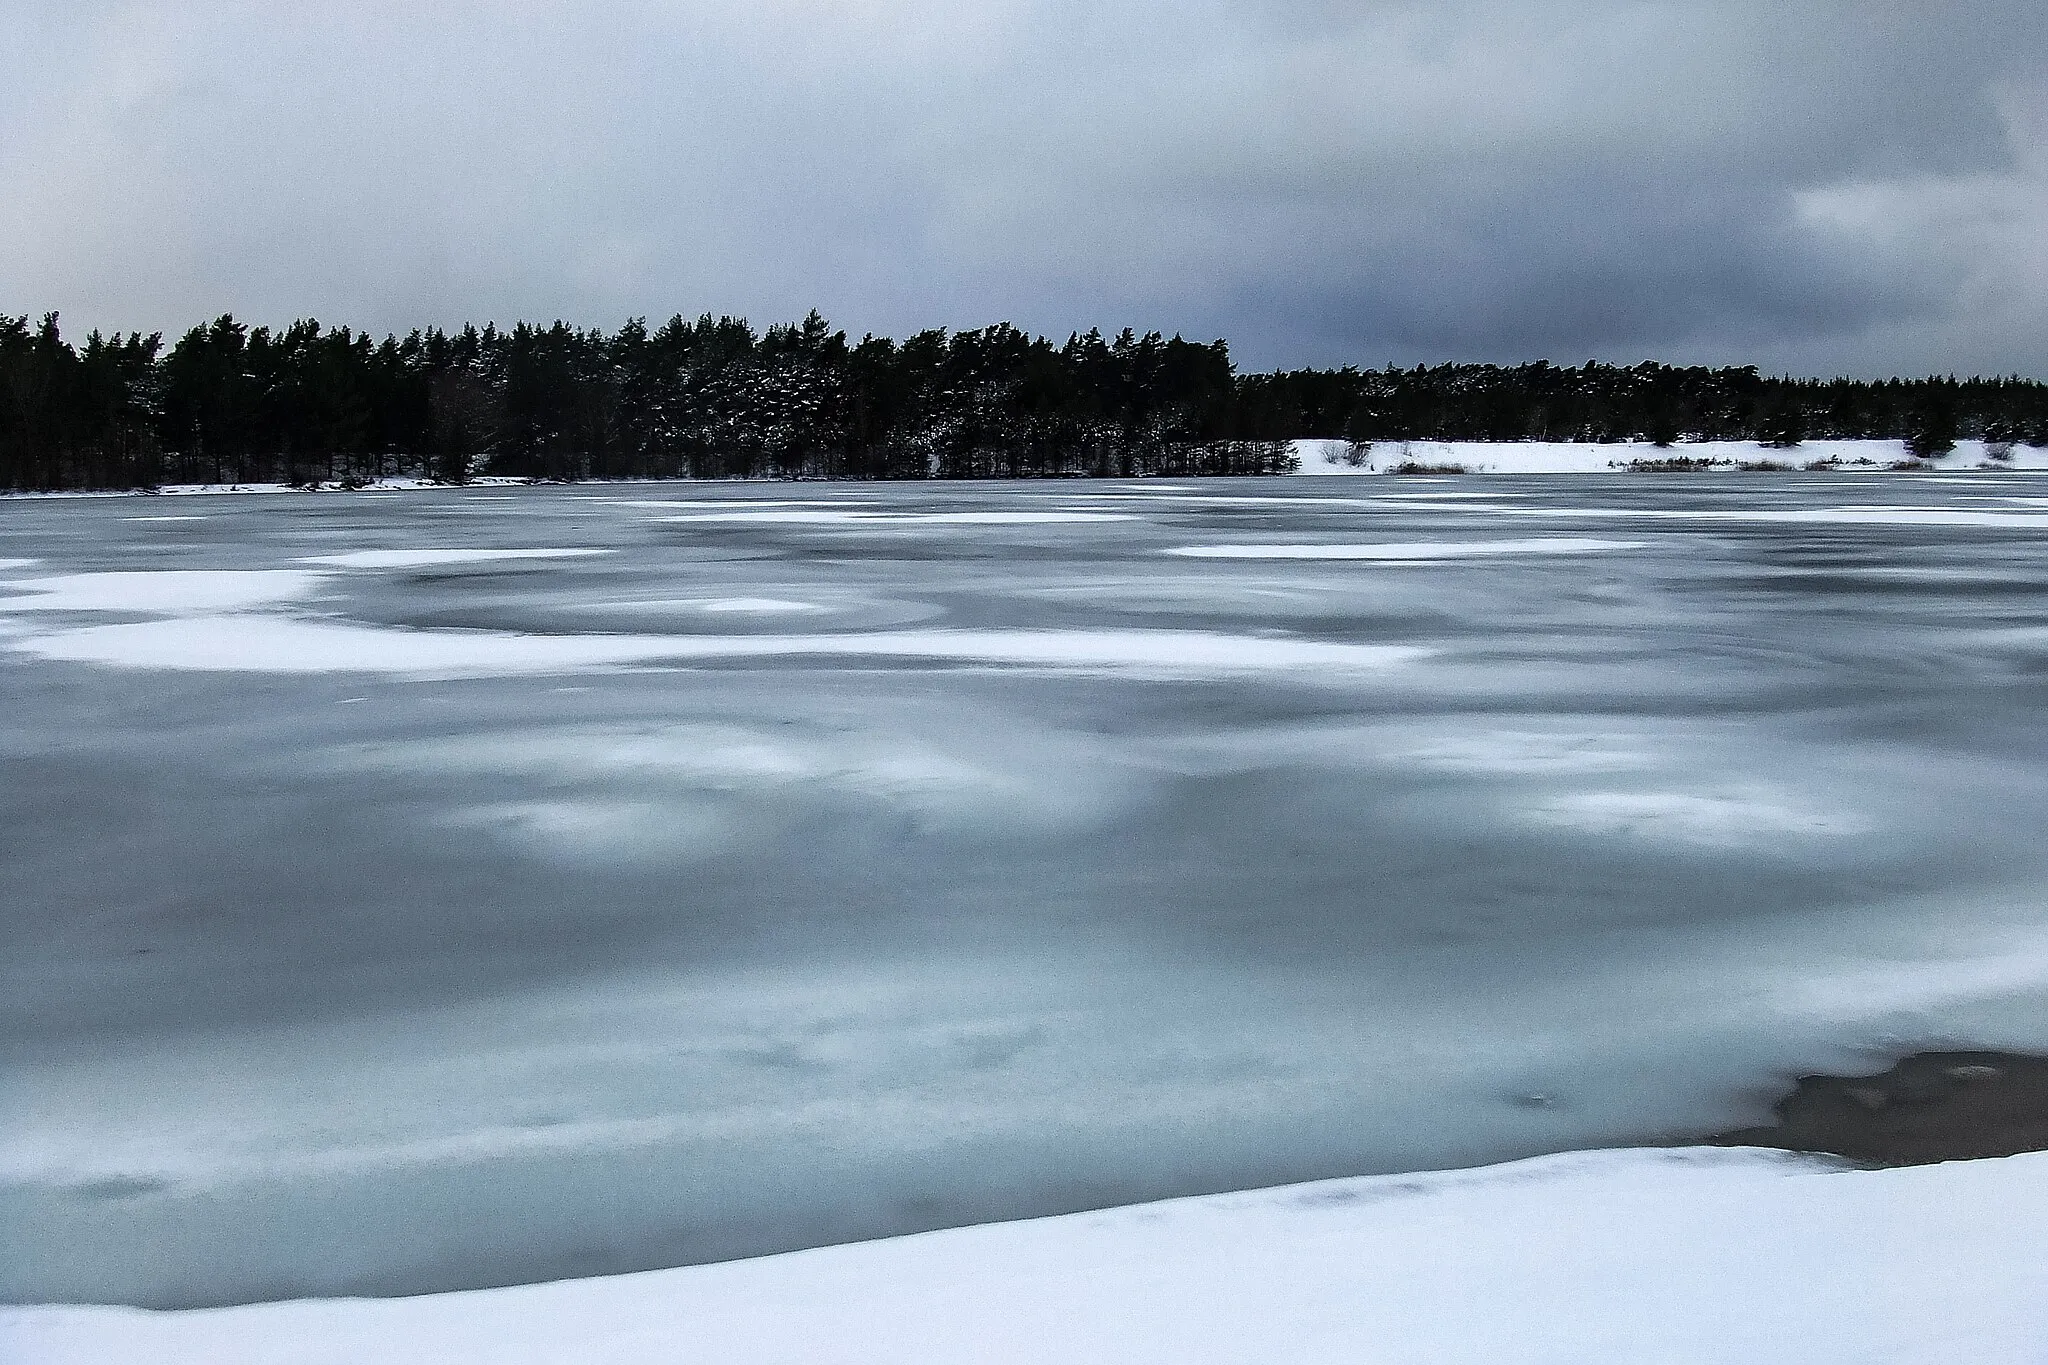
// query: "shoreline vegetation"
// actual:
[[1305, 457], [309, 406]]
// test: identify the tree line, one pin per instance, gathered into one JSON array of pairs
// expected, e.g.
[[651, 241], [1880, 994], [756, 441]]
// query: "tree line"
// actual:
[[714, 398]]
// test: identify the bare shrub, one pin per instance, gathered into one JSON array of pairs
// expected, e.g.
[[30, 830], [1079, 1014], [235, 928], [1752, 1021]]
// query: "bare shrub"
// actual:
[[1675, 464]]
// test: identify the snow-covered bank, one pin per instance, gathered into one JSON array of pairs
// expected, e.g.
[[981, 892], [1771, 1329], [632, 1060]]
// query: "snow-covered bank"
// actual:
[[1572, 457], [1700, 1255], [1327, 457], [188, 490]]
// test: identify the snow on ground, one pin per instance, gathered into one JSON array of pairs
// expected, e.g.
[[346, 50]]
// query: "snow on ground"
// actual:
[[1586, 457], [1316, 456], [1411, 552], [1683, 1257]]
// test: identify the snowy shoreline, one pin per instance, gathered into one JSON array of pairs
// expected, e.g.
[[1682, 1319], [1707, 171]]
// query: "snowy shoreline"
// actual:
[[1324, 457], [1617, 457], [1680, 1255]]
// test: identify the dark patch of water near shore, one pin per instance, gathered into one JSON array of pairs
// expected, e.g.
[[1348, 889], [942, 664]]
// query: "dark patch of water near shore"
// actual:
[[1932, 1106]]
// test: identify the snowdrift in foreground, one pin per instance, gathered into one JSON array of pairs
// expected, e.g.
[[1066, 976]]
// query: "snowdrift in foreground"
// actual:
[[1698, 1255], [1570, 457]]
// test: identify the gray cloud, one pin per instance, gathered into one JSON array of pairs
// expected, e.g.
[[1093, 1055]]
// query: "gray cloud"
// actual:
[[1825, 186]]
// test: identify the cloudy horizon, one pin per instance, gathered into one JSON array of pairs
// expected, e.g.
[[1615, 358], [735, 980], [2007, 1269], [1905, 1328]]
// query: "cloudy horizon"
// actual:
[[1852, 188]]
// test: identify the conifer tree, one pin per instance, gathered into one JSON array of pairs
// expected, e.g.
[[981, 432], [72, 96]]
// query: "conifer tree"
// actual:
[[1934, 426], [1782, 420]]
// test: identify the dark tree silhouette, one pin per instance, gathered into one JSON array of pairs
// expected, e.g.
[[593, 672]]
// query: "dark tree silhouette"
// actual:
[[713, 398], [1934, 422]]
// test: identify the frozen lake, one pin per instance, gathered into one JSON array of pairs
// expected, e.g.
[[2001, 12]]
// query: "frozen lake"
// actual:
[[404, 892]]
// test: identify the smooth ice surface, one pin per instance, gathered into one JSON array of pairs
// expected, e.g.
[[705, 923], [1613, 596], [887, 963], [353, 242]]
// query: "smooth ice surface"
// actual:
[[277, 645], [419, 559], [876, 517], [483, 921], [1687, 1257], [1413, 551], [758, 605], [176, 592], [1814, 516]]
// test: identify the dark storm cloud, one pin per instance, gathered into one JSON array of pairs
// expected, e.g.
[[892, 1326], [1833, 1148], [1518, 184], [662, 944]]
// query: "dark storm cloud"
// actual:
[[1820, 186]]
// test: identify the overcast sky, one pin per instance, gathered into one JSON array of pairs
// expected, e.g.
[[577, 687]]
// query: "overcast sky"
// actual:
[[1812, 185]]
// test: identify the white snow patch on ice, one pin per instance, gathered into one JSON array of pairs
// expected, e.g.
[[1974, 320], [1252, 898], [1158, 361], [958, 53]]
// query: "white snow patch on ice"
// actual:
[[1912, 516], [1930, 981], [415, 559], [1274, 500], [727, 504], [602, 831], [760, 606], [1499, 752], [1807, 516], [852, 517], [1442, 494], [1411, 552], [1727, 820], [161, 591], [194, 517], [766, 606], [1689, 1256], [285, 645], [7, 564], [945, 780], [1525, 751]]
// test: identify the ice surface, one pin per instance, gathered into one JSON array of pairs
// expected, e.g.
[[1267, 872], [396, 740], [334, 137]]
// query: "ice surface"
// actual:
[[281, 645], [393, 931], [771, 606], [1759, 818], [1813, 516], [162, 591], [860, 517], [850, 499], [1412, 552], [1529, 752], [1692, 1257], [417, 559]]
